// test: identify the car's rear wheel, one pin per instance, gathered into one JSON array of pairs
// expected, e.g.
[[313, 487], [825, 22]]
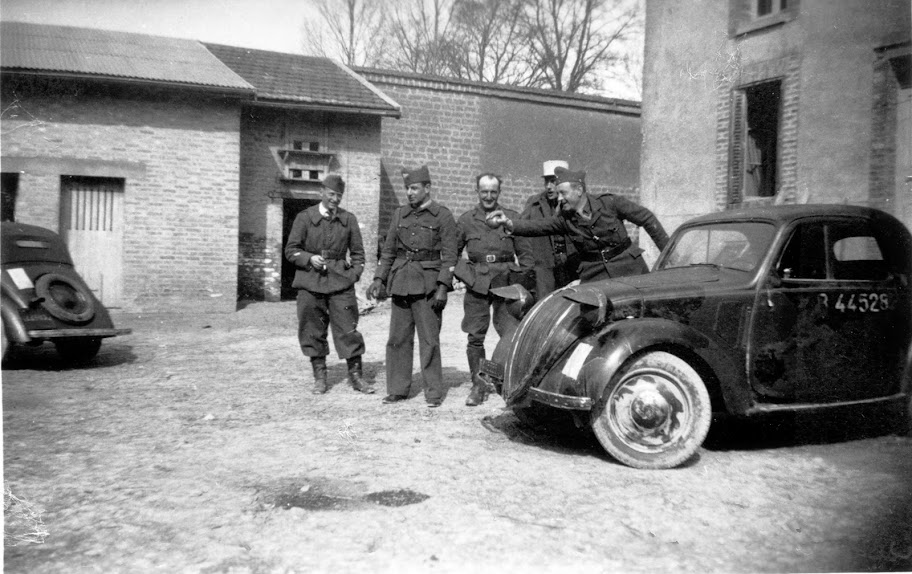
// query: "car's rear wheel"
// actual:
[[654, 414], [65, 298], [78, 350]]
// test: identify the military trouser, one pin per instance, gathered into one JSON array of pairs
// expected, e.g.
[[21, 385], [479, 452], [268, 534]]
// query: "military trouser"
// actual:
[[317, 312], [477, 312], [547, 279], [410, 314]]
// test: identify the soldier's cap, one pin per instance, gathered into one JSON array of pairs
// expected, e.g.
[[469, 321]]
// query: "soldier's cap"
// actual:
[[420, 175], [549, 166], [564, 175], [334, 182]]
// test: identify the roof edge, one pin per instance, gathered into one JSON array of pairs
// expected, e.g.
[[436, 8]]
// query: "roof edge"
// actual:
[[245, 92], [363, 81], [317, 106]]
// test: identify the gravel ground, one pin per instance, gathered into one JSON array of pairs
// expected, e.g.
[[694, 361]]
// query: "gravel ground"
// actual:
[[195, 445]]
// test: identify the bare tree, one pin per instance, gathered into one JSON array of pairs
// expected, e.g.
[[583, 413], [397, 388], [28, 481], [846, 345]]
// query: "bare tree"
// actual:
[[353, 31], [573, 40], [420, 32], [490, 43]]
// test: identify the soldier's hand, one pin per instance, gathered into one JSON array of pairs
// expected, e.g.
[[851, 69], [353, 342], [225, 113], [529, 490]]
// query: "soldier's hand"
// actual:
[[440, 298], [317, 262], [375, 290], [497, 218]]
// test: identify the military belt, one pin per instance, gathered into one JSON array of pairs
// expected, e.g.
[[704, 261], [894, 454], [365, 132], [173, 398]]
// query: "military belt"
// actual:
[[332, 254], [418, 254], [608, 253], [490, 257]]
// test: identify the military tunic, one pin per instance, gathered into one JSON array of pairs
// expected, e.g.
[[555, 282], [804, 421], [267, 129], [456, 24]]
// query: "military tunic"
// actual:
[[494, 259], [419, 254], [326, 297], [556, 259], [602, 242]]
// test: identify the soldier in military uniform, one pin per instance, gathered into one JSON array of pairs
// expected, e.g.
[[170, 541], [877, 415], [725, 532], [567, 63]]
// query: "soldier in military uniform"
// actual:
[[556, 259], [495, 259], [416, 269], [325, 246], [595, 225]]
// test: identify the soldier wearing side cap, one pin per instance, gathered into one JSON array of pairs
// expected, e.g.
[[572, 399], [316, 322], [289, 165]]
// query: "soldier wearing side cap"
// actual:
[[595, 225], [325, 246], [556, 259], [416, 269], [495, 259]]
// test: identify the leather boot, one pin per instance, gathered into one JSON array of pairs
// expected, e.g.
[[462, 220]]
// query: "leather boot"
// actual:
[[319, 369], [479, 391], [356, 377]]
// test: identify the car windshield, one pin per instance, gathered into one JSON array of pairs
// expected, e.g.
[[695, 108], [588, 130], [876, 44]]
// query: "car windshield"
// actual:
[[738, 246]]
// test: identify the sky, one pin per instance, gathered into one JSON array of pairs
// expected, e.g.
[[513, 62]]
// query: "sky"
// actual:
[[263, 24]]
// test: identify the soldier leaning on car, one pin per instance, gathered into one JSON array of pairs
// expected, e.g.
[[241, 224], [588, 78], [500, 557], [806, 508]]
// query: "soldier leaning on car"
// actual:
[[595, 224], [495, 259], [556, 259], [325, 246], [416, 269]]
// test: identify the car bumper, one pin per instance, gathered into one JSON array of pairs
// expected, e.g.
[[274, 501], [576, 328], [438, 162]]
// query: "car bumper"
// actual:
[[70, 333], [492, 373]]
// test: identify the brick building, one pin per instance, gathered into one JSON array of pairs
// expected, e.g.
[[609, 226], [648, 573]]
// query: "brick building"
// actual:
[[461, 128], [310, 117], [776, 101], [128, 145]]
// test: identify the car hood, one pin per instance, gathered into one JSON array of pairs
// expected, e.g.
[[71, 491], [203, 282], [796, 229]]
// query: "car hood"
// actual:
[[555, 324]]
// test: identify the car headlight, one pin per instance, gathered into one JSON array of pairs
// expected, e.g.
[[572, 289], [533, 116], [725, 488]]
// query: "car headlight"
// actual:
[[594, 305], [519, 300]]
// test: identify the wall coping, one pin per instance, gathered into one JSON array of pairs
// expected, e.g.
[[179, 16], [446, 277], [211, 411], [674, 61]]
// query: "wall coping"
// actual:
[[536, 95]]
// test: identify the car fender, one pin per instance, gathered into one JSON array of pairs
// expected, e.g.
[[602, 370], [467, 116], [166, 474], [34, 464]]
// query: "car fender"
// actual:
[[617, 343], [12, 321]]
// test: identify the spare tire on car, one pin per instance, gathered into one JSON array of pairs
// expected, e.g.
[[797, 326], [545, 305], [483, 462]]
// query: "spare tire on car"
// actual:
[[65, 298]]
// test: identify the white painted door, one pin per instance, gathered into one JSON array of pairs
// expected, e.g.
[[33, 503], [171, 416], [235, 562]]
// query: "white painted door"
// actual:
[[92, 223]]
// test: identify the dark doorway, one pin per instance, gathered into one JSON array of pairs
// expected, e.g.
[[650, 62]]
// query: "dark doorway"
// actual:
[[762, 139], [290, 209], [10, 189]]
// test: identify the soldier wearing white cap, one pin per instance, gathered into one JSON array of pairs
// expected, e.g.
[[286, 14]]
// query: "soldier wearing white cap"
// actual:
[[556, 258]]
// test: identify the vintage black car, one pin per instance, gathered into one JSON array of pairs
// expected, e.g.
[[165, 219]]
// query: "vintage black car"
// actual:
[[45, 299], [746, 312]]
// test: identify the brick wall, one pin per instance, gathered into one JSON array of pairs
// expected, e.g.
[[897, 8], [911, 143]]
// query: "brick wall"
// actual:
[[355, 143], [178, 157], [460, 129]]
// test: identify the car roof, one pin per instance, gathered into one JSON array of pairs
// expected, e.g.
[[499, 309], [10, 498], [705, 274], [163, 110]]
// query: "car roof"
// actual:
[[786, 213]]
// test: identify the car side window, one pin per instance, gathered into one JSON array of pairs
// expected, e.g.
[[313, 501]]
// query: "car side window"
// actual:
[[855, 253], [805, 255]]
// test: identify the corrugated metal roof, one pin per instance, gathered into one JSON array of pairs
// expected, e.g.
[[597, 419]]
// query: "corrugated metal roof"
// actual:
[[85, 51], [291, 78]]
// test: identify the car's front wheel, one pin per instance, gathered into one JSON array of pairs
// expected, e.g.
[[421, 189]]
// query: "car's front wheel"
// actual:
[[654, 414], [78, 349]]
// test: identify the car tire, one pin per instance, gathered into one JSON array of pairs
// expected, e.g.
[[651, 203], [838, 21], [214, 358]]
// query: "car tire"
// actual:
[[654, 414], [78, 350], [64, 298]]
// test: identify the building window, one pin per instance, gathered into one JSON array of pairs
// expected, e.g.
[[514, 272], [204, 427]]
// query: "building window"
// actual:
[[747, 16], [754, 158], [10, 190], [770, 7]]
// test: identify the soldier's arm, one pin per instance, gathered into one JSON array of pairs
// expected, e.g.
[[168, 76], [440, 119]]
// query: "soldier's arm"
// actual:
[[449, 240], [636, 213], [294, 249], [388, 252], [356, 246], [553, 225]]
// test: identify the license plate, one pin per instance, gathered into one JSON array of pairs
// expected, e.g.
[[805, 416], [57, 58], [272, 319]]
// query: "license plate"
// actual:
[[491, 369]]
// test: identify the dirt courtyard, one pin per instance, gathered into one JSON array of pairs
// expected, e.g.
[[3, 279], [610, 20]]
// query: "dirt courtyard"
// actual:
[[195, 445]]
